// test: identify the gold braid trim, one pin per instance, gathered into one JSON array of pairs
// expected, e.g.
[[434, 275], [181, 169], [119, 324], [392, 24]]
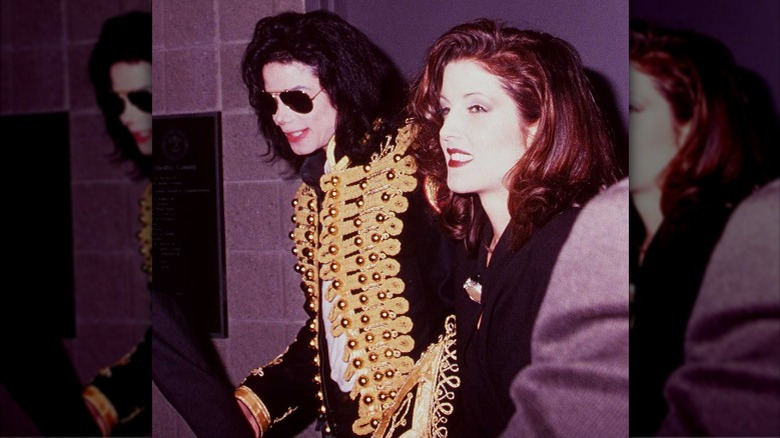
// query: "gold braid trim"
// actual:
[[358, 240], [145, 234], [256, 407], [304, 235], [427, 394], [102, 405]]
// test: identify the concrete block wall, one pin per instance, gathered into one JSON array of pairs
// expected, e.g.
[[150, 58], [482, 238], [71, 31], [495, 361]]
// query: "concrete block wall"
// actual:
[[44, 48], [197, 52]]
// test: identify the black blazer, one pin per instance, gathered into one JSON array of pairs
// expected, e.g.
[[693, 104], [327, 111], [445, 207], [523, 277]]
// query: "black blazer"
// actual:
[[513, 287]]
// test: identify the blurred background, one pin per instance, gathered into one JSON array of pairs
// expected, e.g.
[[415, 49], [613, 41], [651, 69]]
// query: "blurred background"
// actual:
[[102, 308]]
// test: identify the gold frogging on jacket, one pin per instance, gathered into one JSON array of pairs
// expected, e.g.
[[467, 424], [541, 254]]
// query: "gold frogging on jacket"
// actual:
[[358, 229]]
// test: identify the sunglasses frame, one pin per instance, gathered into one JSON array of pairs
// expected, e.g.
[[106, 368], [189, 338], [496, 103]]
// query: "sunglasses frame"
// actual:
[[284, 97]]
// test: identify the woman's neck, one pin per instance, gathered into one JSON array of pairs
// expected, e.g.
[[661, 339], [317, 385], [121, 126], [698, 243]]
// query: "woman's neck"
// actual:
[[496, 206], [648, 205]]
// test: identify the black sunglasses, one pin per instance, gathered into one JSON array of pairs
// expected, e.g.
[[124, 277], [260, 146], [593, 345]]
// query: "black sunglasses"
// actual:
[[114, 104], [296, 100]]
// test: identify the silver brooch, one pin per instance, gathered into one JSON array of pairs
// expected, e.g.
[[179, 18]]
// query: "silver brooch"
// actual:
[[473, 289]]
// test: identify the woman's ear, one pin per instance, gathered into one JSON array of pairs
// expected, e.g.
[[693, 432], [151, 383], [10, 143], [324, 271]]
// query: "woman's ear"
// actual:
[[683, 133], [530, 133]]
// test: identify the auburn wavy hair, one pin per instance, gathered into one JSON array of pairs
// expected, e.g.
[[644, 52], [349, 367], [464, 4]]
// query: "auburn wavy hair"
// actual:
[[571, 157], [366, 88], [720, 160]]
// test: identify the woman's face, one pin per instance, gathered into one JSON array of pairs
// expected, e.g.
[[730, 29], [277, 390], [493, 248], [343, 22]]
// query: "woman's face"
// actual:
[[130, 77], [307, 132], [481, 137], [654, 137]]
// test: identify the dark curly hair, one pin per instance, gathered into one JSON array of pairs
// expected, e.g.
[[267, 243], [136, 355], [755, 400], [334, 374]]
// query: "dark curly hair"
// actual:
[[721, 159], [124, 38], [572, 155], [363, 84]]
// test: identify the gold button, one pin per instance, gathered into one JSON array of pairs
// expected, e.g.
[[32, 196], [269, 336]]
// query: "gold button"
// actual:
[[332, 211], [376, 277], [345, 322], [389, 353], [334, 193], [378, 376], [294, 202], [335, 180], [363, 299], [370, 337], [342, 304], [362, 381], [364, 319], [357, 222], [292, 218], [382, 396], [333, 249], [309, 236], [384, 314], [310, 219], [385, 197], [376, 237], [374, 423], [362, 278], [295, 250], [360, 260], [332, 229], [312, 204], [381, 295], [390, 175], [360, 203], [352, 343], [389, 373], [363, 185], [396, 158], [334, 267], [322, 408], [387, 335], [368, 399], [372, 357], [337, 284], [367, 168], [380, 217], [373, 257], [358, 241], [357, 363], [291, 235]]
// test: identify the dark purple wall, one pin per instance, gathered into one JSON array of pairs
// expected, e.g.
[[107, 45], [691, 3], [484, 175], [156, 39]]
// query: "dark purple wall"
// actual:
[[751, 29], [406, 28]]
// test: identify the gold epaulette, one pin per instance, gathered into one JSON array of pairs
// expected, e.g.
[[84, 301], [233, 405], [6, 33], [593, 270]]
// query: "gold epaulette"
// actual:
[[352, 242]]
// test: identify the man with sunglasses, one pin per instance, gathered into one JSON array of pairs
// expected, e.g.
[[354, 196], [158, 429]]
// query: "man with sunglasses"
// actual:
[[120, 69], [371, 261]]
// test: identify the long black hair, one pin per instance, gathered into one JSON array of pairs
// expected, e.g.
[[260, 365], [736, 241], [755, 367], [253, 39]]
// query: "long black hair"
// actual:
[[124, 38], [364, 85]]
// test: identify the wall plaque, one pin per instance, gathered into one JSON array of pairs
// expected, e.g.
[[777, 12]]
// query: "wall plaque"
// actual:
[[187, 230]]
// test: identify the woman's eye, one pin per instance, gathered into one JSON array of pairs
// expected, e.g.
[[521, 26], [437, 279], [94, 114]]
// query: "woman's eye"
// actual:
[[477, 109], [443, 111], [634, 109]]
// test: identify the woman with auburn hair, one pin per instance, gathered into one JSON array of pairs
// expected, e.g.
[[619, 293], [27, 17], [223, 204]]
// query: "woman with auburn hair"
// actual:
[[694, 157], [512, 143]]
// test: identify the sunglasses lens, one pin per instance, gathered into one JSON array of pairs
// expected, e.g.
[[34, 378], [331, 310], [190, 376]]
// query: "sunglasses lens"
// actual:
[[267, 103], [297, 100], [141, 99], [112, 104]]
